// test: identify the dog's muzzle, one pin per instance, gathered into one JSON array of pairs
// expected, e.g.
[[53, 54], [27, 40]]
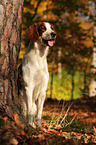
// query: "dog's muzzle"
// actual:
[[51, 41]]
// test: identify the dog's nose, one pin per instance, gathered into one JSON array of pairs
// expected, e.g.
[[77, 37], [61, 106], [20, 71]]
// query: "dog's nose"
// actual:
[[53, 34]]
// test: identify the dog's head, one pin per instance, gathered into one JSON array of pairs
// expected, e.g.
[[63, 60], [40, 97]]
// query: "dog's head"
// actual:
[[43, 31]]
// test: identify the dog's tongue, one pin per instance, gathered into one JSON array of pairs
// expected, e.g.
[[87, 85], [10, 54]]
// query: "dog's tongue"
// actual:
[[50, 43]]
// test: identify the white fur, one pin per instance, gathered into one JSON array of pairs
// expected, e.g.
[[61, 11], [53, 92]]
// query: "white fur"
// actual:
[[35, 75], [47, 32]]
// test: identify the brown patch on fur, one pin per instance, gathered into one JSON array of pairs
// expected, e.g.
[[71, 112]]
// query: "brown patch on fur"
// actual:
[[41, 28], [52, 27], [34, 31]]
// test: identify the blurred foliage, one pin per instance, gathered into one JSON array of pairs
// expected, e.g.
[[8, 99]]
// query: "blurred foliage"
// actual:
[[73, 21], [62, 87]]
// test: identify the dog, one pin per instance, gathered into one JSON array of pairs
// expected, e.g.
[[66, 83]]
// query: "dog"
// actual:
[[34, 70]]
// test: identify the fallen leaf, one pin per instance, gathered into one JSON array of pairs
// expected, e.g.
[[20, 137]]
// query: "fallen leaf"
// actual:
[[45, 125], [34, 132], [40, 128], [18, 122], [64, 132], [38, 138], [54, 131], [13, 141], [41, 137], [94, 129], [19, 137], [59, 127], [68, 143], [49, 132], [58, 143], [5, 120], [23, 133]]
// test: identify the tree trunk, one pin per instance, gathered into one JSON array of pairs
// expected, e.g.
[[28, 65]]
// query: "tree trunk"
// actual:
[[73, 73], [59, 63], [92, 90], [10, 42]]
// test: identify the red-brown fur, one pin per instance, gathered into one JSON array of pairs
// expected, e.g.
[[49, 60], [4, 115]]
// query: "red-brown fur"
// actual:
[[33, 33]]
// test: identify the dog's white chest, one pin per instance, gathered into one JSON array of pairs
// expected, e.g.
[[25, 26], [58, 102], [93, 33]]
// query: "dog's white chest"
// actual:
[[35, 70]]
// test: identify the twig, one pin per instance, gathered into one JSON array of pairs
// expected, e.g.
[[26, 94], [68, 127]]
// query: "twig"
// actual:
[[36, 9], [66, 114], [70, 121], [61, 113]]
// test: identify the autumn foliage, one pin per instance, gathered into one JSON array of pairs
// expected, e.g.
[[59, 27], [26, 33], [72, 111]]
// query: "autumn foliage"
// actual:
[[73, 23]]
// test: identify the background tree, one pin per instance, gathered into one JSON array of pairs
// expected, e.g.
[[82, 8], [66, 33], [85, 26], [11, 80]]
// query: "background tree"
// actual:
[[92, 91], [10, 42]]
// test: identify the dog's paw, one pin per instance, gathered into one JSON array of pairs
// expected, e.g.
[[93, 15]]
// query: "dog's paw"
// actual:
[[30, 121], [38, 122]]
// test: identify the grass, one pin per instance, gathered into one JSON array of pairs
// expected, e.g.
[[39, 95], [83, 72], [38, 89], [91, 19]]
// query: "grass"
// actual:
[[76, 125], [61, 120], [64, 122]]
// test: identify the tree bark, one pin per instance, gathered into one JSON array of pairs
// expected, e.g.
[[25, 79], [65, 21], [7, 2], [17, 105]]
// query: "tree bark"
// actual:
[[10, 42]]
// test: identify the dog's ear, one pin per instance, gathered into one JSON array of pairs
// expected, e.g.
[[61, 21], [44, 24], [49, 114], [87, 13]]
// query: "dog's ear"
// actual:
[[32, 32]]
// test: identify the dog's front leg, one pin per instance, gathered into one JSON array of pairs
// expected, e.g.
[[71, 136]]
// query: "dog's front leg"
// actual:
[[31, 106], [40, 103]]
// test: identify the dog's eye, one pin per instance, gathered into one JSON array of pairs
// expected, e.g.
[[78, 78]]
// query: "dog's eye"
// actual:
[[43, 28]]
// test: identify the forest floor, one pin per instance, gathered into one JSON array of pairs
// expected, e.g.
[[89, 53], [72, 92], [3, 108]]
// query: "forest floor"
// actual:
[[82, 109], [64, 123]]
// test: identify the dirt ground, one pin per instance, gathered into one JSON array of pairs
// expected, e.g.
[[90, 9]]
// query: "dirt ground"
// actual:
[[84, 109]]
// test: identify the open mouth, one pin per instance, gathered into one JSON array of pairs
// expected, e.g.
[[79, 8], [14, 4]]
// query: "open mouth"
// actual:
[[49, 42]]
